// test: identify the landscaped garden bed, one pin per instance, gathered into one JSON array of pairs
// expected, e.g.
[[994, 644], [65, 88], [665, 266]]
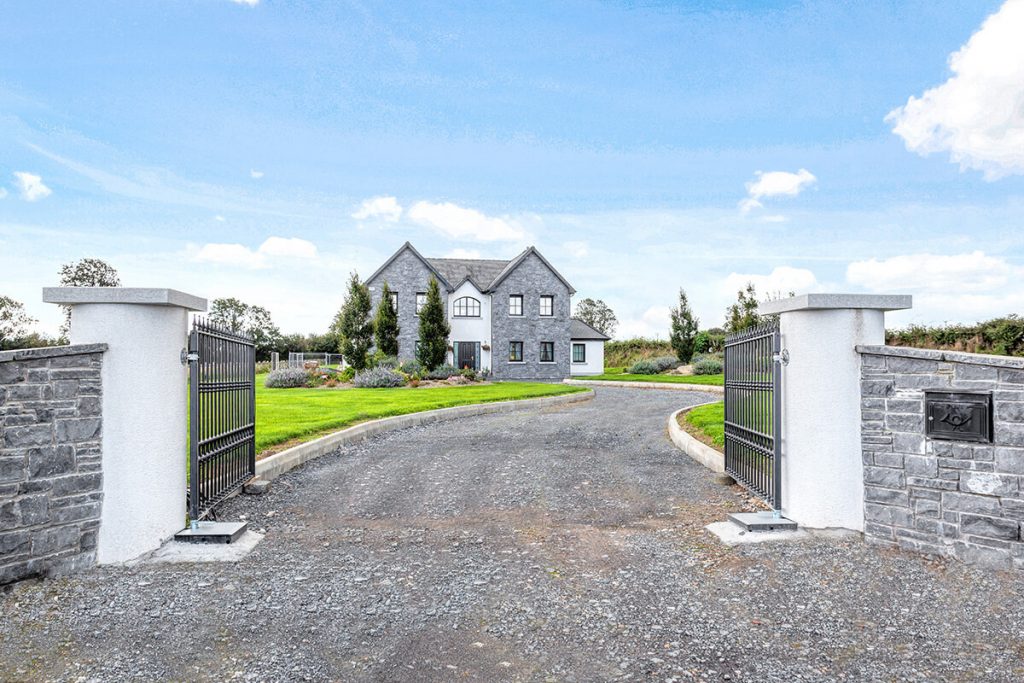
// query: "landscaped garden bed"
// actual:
[[703, 369], [285, 417]]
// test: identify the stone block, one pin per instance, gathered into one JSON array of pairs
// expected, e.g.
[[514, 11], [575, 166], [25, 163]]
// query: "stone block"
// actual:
[[74, 373], [878, 530], [78, 429], [872, 404], [65, 389], [14, 543], [886, 496], [12, 468], [1004, 394], [904, 405], [47, 461], [89, 406], [921, 381], [908, 443], [76, 513], [887, 459], [25, 392], [870, 361], [20, 570], [1012, 508], [1008, 411], [77, 484], [1009, 433], [905, 422], [27, 436], [929, 483], [921, 465], [912, 365], [34, 509], [990, 527], [926, 508], [971, 371], [1011, 376], [991, 558], [873, 387], [925, 494], [884, 476], [54, 539], [927, 525], [984, 453], [988, 483], [12, 372]]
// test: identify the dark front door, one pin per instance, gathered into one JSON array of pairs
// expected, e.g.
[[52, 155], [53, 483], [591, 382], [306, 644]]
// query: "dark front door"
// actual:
[[466, 355]]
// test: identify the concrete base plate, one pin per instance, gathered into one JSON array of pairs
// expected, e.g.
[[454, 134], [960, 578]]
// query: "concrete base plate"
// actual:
[[212, 532], [731, 534], [761, 521], [178, 551]]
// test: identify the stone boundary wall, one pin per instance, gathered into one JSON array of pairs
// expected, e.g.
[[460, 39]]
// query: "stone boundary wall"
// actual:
[[50, 460], [943, 498]]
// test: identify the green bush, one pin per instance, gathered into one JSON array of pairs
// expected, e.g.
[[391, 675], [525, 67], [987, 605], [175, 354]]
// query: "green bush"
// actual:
[[644, 367], [287, 378], [411, 367], [263, 367], [442, 372], [666, 363], [707, 366], [347, 375], [468, 373], [624, 353], [379, 378], [1000, 336]]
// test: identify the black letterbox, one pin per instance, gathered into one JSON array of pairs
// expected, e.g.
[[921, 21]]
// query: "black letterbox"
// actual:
[[958, 416]]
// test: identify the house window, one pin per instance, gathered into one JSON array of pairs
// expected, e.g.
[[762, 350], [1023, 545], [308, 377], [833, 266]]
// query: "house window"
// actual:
[[394, 301], [466, 307], [547, 305], [547, 352], [421, 301], [515, 352], [515, 304], [579, 353]]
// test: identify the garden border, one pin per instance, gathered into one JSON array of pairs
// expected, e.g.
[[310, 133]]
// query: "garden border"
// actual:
[[274, 466], [671, 386], [696, 449]]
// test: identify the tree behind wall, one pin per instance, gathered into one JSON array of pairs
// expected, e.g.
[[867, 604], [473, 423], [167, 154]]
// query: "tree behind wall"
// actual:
[[684, 329], [14, 323], [254, 321], [598, 315], [87, 272], [385, 325], [353, 323], [434, 329]]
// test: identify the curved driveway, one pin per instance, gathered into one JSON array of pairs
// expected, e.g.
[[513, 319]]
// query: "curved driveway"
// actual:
[[561, 544]]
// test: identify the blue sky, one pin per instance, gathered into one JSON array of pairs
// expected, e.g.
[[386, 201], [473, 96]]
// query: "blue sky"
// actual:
[[264, 149]]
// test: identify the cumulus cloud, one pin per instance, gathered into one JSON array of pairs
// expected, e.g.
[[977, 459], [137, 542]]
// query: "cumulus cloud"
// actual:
[[255, 175], [972, 272], [247, 3], [781, 280], [463, 253], [271, 249], [652, 323], [978, 114], [383, 208], [457, 222], [775, 184], [577, 249], [31, 186]]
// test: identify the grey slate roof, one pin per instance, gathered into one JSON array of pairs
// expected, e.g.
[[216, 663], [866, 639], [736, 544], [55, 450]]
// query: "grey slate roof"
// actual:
[[481, 271], [581, 330]]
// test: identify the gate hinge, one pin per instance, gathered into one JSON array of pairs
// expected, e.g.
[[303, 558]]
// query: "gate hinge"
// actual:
[[781, 357], [187, 357]]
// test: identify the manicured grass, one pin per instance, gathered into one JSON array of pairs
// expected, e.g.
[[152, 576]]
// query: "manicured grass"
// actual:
[[284, 415], [708, 420], [717, 380]]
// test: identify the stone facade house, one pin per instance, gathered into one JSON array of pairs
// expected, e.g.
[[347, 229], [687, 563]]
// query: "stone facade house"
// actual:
[[509, 317]]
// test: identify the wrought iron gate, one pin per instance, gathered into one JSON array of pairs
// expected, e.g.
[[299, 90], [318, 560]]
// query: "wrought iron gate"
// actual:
[[753, 411], [222, 424]]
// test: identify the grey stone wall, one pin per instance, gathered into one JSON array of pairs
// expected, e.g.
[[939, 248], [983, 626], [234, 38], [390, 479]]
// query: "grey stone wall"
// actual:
[[50, 472], [405, 275], [531, 279], [944, 498]]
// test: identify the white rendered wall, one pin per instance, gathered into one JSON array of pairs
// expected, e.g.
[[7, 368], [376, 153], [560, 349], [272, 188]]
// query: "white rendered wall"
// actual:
[[145, 423], [595, 358], [822, 471], [471, 329]]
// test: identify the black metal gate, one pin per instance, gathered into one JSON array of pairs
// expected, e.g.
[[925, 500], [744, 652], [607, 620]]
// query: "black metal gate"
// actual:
[[753, 411], [222, 424]]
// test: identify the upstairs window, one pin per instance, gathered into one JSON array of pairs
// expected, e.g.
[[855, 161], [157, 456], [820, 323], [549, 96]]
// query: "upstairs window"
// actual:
[[547, 352], [421, 301], [394, 301], [466, 307], [515, 304], [547, 305], [515, 352]]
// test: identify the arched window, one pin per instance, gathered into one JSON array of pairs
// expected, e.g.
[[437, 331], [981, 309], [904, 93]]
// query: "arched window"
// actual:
[[466, 307]]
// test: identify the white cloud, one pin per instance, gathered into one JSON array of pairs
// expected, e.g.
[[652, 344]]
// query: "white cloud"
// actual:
[[256, 175], [248, 3], [654, 322], [458, 222], [775, 184], [463, 253], [577, 249], [782, 280], [3, 192], [384, 208], [243, 256], [978, 114], [774, 219], [31, 186], [219, 218], [960, 273]]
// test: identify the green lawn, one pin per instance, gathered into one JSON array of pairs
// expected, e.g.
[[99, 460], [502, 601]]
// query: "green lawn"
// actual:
[[284, 415], [717, 380], [709, 420]]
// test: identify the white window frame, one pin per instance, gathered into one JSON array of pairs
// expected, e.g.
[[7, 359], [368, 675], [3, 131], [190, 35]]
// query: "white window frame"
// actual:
[[547, 298], [421, 301], [394, 300]]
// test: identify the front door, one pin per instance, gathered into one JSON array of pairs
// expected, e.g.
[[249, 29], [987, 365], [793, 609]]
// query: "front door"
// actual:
[[466, 355]]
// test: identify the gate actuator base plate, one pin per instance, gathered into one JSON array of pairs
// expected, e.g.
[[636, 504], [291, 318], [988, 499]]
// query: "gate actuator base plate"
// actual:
[[761, 521], [213, 532]]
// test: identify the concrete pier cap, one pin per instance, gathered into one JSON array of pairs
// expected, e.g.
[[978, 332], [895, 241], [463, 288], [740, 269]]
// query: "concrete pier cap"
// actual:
[[822, 471], [145, 409]]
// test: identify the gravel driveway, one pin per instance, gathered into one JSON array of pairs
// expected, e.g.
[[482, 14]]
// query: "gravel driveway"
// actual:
[[560, 544]]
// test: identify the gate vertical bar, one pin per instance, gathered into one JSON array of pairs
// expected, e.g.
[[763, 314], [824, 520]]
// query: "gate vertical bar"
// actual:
[[193, 426], [777, 420]]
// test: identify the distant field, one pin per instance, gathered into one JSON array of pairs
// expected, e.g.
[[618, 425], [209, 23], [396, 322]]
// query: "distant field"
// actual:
[[715, 380]]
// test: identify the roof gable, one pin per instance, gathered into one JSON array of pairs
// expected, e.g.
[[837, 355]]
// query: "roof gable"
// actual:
[[514, 263], [408, 247], [481, 272]]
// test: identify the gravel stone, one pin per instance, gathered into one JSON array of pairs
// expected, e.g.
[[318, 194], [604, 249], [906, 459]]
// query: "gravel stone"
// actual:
[[561, 544]]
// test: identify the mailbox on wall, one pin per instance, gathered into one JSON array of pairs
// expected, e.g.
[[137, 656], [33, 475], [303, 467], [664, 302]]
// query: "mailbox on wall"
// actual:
[[958, 416]]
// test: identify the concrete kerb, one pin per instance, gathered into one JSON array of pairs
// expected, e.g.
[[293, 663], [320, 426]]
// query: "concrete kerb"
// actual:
[[701, 452], [669, 386], [274, 466]]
